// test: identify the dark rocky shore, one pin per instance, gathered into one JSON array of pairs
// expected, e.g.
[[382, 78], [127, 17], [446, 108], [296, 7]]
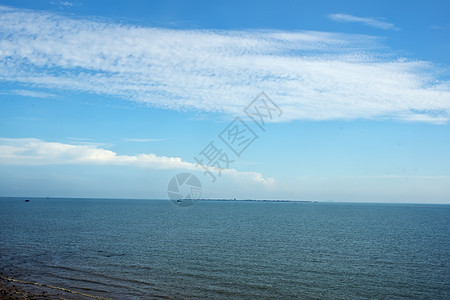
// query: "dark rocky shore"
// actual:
[[17, 289]]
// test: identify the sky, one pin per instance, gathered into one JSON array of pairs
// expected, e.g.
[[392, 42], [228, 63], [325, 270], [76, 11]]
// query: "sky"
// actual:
[[344, 101]]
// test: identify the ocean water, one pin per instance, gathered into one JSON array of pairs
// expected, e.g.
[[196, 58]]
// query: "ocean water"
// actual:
[[131, 249]]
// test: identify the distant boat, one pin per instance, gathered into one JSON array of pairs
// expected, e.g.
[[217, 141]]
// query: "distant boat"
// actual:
[[27, 200]]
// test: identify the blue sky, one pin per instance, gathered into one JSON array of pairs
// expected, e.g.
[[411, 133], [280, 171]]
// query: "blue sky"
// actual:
[[112, 99]]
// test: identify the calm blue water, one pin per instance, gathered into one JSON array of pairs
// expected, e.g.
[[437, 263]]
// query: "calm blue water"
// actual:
[[150, 249]]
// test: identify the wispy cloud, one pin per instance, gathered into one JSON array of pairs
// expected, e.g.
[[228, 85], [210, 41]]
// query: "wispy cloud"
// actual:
[[440, 27], [31, 151], [142, 140], [29, 93], [373, 22], [311, 75], [62, 4], [85, 142]]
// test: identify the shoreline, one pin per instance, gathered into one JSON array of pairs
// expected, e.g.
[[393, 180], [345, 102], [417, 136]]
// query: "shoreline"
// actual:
[[11, 288]]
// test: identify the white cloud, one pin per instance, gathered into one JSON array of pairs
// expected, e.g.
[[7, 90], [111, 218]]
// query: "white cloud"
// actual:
[[310, 75], [373, 22], [31, 151]]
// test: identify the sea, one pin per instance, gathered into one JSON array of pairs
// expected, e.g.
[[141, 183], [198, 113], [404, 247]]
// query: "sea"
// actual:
[[152, 249]]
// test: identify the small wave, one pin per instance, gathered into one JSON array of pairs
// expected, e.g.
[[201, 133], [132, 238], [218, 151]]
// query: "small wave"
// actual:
[[91, 273]]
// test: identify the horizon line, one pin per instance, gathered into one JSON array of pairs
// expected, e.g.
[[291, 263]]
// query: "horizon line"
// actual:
[[228, 199]]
